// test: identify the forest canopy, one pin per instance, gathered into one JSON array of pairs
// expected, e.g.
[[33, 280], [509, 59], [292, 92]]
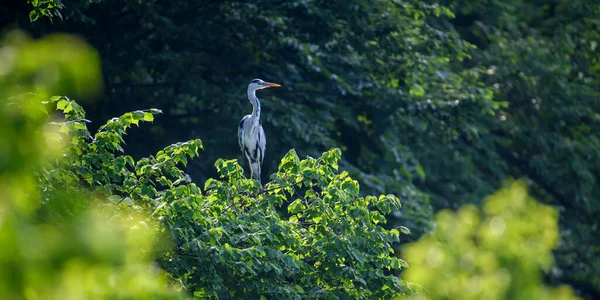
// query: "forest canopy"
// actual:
[[391, 115]]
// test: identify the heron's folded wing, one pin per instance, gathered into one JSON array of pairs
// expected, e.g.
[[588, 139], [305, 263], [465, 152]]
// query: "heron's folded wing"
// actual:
[[241, 127]]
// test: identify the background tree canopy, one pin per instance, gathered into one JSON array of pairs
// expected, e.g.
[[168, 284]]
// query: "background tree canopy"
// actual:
[[437, 102]]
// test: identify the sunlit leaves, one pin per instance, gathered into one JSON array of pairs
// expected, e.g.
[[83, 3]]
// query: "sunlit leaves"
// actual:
[[45, 8], [242, 236]]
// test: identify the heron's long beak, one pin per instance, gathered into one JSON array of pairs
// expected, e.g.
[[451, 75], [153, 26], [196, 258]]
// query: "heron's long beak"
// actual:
[[270, 84]]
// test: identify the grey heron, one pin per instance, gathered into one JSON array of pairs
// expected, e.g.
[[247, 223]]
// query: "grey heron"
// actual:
[[251, 135]]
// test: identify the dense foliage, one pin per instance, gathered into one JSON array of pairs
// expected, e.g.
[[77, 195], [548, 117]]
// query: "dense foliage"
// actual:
[[437, 102]]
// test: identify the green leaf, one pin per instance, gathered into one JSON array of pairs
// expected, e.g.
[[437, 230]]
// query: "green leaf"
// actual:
[[296, 206], [210, 184], [34, 15], [62, 104], [420, 171], [358, 256], [404, 230]]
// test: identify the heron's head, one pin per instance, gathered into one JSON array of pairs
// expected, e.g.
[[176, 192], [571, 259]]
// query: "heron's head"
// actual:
[[257, 84]]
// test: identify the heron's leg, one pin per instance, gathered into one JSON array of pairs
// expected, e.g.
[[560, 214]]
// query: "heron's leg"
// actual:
[[255, 170]]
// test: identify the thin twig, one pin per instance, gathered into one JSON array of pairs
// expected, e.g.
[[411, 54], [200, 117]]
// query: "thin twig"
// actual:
[[281, 187]]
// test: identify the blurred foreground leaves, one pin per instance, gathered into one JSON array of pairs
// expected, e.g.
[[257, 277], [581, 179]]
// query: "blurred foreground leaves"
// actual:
[[497, 253], [91, 250]]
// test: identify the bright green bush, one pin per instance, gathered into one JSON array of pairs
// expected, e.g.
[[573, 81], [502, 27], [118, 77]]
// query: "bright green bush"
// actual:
[[329, 243]]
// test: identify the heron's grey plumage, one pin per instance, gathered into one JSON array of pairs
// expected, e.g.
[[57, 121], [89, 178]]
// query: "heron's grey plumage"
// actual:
[[251, 135]]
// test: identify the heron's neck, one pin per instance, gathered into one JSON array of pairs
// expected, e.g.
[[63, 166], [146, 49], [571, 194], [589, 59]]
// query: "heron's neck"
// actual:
[[255, 104]]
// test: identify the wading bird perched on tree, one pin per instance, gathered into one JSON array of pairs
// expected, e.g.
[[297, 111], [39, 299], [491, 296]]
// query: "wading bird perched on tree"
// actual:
[[251, 135]]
